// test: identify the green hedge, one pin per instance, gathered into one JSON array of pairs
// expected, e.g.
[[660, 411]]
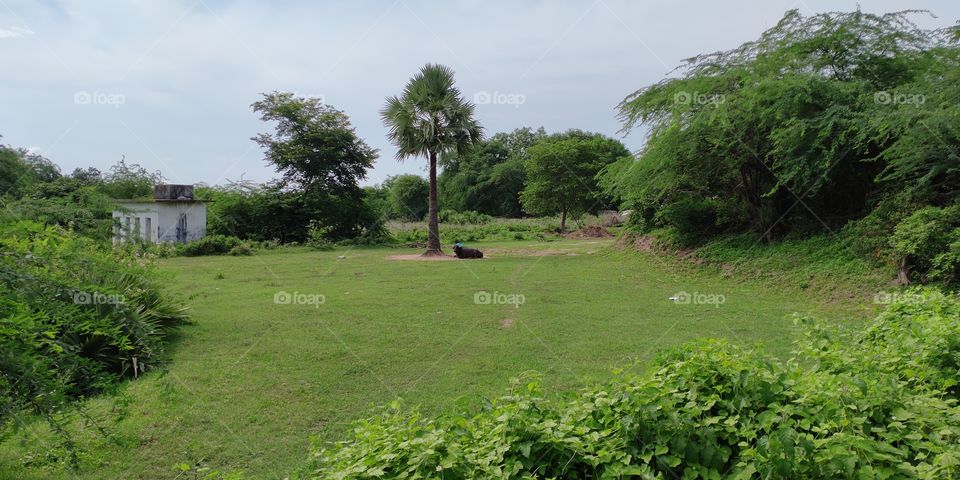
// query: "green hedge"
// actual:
[[209, 245], [881, 403]]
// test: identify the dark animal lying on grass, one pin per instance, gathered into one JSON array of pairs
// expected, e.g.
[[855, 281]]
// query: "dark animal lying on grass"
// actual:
[[462, 252]]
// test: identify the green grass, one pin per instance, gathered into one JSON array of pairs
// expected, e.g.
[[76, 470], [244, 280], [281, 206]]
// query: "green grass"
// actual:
[[251, 381]]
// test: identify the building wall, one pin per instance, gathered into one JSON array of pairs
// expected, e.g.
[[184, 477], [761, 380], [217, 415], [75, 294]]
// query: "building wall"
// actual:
[[157, 222], [195, 214]]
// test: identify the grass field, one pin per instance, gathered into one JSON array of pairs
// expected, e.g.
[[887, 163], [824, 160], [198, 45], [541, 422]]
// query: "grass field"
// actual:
[[252, 380]]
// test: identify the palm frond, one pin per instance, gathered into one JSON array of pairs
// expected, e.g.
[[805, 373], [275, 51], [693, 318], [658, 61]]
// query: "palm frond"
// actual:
[[430, 115]]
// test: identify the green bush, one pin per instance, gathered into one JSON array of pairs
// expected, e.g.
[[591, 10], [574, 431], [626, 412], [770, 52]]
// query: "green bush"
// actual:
[[209, 245], [74, 319], [692, 220], [926, 242], [876, 404], [244, 249], [318, 238]]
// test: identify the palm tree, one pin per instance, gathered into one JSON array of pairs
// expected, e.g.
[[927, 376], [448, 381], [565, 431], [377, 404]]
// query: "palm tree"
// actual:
[[430, 119]]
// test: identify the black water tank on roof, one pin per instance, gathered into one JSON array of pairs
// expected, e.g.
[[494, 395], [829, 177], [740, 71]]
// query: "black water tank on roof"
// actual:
[[173, 192]]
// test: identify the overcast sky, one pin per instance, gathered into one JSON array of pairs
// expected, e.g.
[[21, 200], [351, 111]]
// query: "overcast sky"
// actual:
[[169, 83]]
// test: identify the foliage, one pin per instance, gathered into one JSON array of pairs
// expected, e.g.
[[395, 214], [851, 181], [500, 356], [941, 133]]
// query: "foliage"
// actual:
[[464, 218], [928, 243], [430, 119], [314, 147], [256, 212], [489, 177], [561, 173], [74, 319], [407, 197], [321, 159], [82, 201], [801, 130], [128, 181], [209, 245], [318, 238], [878, 404], [68, 203], [692, 220], [244, 249], [20, 170]]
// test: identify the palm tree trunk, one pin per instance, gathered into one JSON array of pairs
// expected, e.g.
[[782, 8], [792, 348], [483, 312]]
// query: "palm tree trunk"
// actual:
[[433, 222]]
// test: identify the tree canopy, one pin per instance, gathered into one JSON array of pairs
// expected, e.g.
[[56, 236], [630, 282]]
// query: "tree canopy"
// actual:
[[561, 173], [319, 155], [801, 130], [489, 177]]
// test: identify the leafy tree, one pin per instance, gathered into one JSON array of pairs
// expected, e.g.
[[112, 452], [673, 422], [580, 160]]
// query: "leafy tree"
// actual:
[[407, 196], [20, 169], [431, 118], [561, 173], [780, 134], [489, 177], [256, 212], [320, 156], [919, 125], [76, 202], [126, 181], [377, 198]]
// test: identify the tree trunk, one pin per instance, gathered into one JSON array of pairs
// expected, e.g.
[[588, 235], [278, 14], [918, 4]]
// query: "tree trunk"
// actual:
[[903, 272], [563, 220], [433, 221]]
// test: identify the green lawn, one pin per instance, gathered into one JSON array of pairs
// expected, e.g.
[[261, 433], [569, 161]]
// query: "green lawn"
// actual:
[[252, 380]]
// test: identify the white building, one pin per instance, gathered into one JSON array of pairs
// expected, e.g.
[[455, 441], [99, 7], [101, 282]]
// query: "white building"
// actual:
[[173, 216]]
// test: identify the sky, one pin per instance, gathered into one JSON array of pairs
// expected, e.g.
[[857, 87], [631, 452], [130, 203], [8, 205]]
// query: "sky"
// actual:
[[168, 84]]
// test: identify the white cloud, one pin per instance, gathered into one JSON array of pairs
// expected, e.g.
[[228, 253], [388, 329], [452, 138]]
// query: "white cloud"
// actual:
[[14, 32]]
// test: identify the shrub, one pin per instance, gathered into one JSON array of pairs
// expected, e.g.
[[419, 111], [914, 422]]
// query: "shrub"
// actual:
[[209, 245], [244, 249], [691, 219], [876, 404], [74, 319], [317, 237], [925, 240]]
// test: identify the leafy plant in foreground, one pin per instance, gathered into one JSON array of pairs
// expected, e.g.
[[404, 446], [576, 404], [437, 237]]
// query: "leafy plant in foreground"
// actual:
[[877, 404]]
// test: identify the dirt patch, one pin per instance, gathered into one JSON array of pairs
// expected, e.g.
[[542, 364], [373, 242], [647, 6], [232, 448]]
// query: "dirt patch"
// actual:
[[590, 231], [643, 243], [422, 258], [506, 323]]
